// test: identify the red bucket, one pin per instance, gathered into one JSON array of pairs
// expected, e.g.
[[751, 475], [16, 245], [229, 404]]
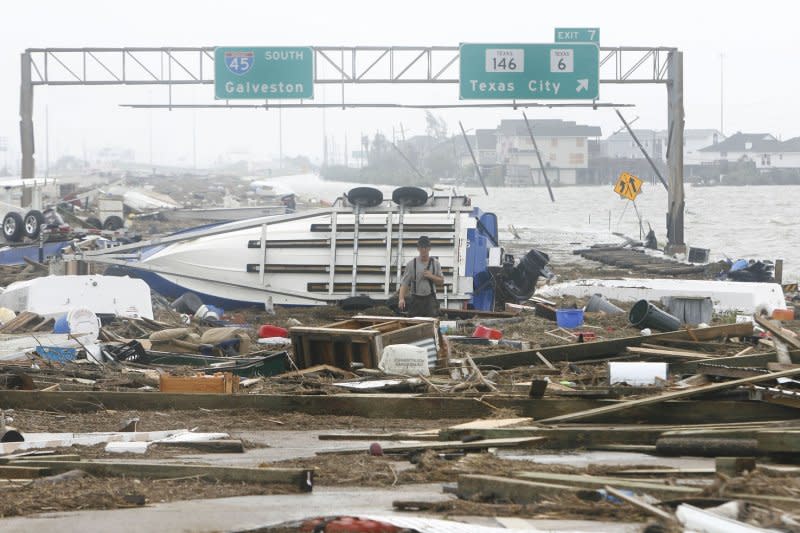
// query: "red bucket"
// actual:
[[268, 330], [487, 333]]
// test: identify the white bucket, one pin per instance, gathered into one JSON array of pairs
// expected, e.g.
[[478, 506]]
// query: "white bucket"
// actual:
[[6, 315], [83, 321], [405, 359]]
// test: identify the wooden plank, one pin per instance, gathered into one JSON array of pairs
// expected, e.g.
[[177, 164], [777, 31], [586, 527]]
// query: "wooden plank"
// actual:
[[611, 347], [660, 352], [23, 472], [211, 446], [379, 406], [491, 423], [300, 478], [779, 441], [446, 445], [597, 482], [671, 396], [777, 331], [225, 383], [641, 504], [517, 491], [749, 360], [712, 369], [671, 472]]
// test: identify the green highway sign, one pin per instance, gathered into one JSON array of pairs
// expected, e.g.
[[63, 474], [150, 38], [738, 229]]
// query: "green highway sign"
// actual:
[[529, 71], [261, 73], [578, 35]]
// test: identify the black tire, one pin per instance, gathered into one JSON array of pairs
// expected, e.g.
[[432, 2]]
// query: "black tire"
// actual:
[[365, 196], [94, 222], [12, 227], [410, 196], [113, 223], [32, 223]]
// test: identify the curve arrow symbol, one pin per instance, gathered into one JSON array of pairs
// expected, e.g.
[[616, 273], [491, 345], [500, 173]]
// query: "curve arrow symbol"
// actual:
[[583, 85]]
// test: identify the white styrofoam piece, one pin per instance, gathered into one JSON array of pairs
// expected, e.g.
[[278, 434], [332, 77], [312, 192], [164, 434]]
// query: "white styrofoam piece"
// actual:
[[52, 296], [726, 295], [127, 447]]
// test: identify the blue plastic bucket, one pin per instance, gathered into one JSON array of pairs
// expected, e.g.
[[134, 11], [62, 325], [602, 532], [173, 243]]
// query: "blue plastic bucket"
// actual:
[[61, 325], [569, 318]]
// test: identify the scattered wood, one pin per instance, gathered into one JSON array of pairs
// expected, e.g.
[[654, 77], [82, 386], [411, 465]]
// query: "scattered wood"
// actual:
[[22, 472], [778, 332], [519, 491], [210, 446], [544, 360], [299, 478], [219, 383], [670, 396], [707, 446], [779, 441], [444, 445], [734, 466], [608, 348], [641, 504], [667, 354], [594, 482]]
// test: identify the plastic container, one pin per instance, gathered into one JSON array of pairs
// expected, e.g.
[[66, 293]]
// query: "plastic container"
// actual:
[[487, 333], [646, 315], [61, 325], [598, 304], [6, 315], [569, 318], [783, 314], [83, 321], [268, 330], [698, 255]]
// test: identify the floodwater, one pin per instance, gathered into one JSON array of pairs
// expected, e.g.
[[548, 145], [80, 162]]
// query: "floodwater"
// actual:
[[750, 222]]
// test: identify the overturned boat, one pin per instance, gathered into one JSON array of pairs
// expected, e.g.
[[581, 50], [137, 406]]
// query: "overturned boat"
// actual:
[[357, 247]]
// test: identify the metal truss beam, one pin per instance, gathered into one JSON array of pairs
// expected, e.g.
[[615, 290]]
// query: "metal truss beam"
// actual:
[[174, 66], [334, 65]]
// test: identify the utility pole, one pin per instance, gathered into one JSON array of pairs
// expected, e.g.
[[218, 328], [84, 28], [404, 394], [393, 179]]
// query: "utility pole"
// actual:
[[46, 141]]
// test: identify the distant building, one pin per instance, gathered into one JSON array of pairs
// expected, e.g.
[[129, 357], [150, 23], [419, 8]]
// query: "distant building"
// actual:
[[563, 146], [762, 149], [621, 145]]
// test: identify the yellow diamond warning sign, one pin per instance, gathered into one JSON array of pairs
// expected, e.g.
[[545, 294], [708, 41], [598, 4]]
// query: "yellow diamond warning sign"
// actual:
[[628, 186]]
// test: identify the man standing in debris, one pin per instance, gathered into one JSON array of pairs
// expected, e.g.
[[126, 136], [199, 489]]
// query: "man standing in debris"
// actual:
[[418, 286]]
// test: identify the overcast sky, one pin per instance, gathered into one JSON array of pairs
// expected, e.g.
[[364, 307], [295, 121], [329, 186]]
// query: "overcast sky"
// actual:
[[758, 43]]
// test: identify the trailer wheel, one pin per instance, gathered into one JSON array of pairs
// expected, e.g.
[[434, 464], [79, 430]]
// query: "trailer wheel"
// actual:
[[410, 196], [32, 223], [365, 196], [94, 222], [113, 223], [12, 227]]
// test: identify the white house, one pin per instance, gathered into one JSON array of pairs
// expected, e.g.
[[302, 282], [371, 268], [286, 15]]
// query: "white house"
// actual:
[[762, 148], [562, 145]]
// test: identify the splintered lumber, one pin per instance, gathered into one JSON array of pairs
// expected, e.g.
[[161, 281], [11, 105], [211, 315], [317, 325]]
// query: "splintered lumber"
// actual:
[[444, 445], [749, 360], [380, 406], [641, 504], [492, 424], [428, 434], [581, 415], [778, 332], [584, 481], [300, 478], [667, 354], [734, 466], [517, 491], [607, 348], [22, 472], [707, 446], [779, 441], [211, 446], [671, 472]]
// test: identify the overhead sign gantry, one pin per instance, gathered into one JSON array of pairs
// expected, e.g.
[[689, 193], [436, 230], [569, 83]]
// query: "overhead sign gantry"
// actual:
[[351, 65]]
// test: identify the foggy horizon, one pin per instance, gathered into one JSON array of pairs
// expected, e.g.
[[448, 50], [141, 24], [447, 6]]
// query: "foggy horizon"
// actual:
[[752, 48]]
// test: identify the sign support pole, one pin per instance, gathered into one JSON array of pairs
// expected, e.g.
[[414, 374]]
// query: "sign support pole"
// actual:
[[676, 119]]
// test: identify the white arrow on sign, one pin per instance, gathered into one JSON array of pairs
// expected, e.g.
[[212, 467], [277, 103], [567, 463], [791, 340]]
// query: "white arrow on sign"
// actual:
[[583, 85]]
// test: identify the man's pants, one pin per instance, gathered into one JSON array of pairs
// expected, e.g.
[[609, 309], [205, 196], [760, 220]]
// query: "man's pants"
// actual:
[[423, 305]]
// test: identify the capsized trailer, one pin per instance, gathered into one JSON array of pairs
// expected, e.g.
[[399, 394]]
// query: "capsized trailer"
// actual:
[[358, 246]]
